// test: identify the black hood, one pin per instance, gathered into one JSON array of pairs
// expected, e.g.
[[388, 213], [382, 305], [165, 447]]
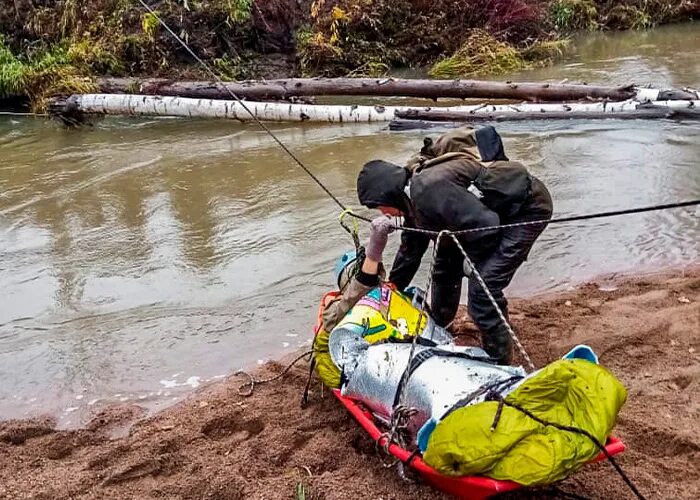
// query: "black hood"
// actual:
[[382, 183], [490, 144]]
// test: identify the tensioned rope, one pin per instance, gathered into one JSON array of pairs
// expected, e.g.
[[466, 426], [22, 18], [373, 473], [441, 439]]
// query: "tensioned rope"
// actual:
[[340, 204], [469, 271], [242, 103], [556, 220]]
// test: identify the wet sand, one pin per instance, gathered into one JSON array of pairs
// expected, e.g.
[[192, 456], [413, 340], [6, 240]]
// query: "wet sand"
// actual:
[[220, 445]]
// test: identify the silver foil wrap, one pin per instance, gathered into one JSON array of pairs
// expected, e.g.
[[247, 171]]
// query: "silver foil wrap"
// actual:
[[372, 374]]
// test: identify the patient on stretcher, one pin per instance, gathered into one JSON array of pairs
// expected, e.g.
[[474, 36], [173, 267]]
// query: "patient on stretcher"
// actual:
[[462, 411]]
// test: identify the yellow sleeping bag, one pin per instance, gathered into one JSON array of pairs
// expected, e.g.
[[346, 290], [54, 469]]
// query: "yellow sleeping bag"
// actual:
[[571, 392], [382, 314]]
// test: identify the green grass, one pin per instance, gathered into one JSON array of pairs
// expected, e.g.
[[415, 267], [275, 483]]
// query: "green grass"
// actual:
[[45, 74], [149, 24], [301, 492], [12, 72], [238, 10], [544, 52], [574, 15], [372, 68]]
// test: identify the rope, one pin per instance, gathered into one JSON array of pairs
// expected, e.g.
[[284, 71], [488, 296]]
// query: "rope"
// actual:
[[575, 430], [421, 315], [401, 413], [353, 231], [470, 270], [340, 204], [240, 101], [18, 113], [252, 381], [557, 220]]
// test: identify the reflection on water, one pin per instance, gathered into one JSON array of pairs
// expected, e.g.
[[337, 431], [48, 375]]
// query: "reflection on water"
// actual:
[[141, 258]]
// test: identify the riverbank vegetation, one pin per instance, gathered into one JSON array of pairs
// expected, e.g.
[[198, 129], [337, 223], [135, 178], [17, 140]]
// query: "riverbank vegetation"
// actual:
[[54, 47], [462, 38]]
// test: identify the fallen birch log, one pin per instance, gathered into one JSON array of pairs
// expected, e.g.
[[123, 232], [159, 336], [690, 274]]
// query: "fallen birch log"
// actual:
[[140, 105], [403, 124], [647, 111], [431, 89], [649, 94]]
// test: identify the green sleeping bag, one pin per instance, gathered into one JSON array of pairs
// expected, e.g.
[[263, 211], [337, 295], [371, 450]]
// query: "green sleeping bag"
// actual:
[[571, 392]]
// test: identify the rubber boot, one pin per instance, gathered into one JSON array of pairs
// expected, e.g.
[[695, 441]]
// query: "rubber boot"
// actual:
[[498, 344]]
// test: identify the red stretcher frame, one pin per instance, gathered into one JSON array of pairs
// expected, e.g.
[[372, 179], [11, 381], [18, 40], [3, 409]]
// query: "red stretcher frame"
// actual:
[[473, 487]]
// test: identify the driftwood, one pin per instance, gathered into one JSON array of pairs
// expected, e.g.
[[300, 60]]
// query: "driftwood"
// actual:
[[649, 94], [424, 118], [143, 105], [401, 125], [431, 89], [140, 105]]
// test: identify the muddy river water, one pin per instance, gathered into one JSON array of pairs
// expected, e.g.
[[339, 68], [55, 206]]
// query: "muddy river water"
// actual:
[[142, 258]]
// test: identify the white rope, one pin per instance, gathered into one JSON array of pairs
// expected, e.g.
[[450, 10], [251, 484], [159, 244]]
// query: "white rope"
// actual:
[[470, 271]]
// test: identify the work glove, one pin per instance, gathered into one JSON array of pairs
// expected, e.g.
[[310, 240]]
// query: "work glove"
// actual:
[[379, 232]]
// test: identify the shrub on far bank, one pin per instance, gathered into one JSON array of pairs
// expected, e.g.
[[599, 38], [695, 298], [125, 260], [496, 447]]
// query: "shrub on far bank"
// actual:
[[643, 14], [46, 73], [343, 35], [480, 54], [568, 16]]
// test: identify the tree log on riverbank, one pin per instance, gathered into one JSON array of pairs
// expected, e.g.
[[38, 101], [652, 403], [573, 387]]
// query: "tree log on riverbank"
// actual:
[[141, 105], [384, 87], [422, 119]]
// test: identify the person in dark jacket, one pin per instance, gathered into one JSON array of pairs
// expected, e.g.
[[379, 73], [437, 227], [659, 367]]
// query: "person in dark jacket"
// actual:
[[462, 180]]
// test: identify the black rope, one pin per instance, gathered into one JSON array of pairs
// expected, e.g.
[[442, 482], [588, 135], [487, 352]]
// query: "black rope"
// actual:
[[252, 381], [220, 82], [307, 387], [240, 101], [557, 220], [575, 430]]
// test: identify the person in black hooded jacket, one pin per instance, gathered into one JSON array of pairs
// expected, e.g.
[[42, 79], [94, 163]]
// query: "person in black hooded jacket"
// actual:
[[462, 180]]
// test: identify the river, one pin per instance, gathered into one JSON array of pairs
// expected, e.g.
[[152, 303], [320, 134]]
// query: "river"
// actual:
[[142, 258]]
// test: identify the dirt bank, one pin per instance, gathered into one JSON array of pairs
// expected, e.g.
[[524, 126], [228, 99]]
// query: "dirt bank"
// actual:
[[221, 445]]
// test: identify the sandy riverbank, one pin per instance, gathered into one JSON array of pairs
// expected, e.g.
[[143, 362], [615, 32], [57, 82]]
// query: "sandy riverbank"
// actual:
[[219, 445]]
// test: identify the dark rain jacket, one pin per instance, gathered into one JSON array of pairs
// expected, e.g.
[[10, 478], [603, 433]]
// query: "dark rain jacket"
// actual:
[[463, 180]]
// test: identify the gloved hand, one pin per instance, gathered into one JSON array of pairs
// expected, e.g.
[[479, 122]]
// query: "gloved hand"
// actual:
[[380, 229]]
